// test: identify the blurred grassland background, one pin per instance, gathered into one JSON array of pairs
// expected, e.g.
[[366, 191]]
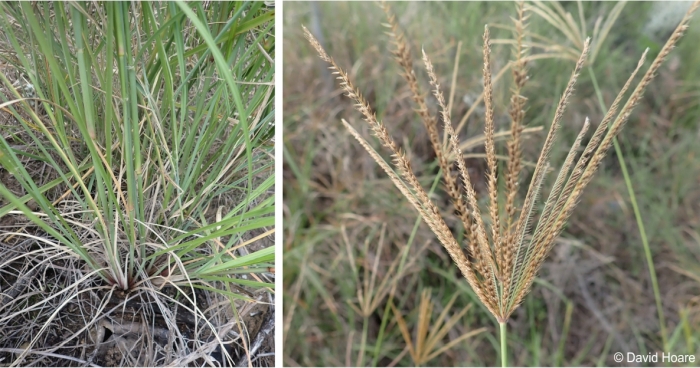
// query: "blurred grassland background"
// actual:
[[359, 265]]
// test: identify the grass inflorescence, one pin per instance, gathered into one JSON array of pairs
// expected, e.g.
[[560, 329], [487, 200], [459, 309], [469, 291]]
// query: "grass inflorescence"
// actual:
[[504, 250]]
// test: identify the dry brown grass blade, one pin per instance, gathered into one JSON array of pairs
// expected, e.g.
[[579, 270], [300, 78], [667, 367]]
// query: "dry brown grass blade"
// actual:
[[554, 14], [457, 340], [453, 83], [425, 311], [438, 333], [549, 15], [430, 333], [440, 330], [600, 34], [403, 327], [559, 20], [369, 294]]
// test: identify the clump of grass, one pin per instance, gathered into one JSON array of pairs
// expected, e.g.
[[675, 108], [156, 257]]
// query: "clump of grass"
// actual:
[[154, 121], [499, 263]]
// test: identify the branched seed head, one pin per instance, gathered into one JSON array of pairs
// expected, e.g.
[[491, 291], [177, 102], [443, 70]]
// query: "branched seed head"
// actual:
[[502, 267]]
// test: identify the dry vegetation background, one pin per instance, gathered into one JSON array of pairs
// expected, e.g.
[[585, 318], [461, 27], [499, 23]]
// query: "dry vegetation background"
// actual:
[[354, 247]]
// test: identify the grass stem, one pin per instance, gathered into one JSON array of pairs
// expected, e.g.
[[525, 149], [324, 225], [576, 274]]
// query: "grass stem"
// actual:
[[504, 352], [363, 342]]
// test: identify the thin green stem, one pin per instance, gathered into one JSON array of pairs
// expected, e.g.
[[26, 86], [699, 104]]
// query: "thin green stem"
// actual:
[[645, 243], [638, 217], [504, 351], [382, 327], [363, 342]]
